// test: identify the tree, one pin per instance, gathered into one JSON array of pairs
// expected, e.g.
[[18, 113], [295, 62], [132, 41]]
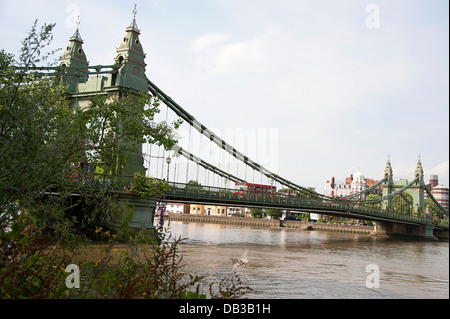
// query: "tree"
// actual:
[[256, 212], [433, 208], [274, 213], [194, 186], [370, 203], [113, 127], [402, 204], [37, 141]]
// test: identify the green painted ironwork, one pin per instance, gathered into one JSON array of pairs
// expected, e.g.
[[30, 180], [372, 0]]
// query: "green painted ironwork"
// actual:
[[216, 195]]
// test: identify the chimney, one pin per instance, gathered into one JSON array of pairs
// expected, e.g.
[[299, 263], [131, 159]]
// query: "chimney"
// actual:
[[433, 180]]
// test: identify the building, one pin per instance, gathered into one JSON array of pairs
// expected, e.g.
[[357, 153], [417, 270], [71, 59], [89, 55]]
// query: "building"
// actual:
[[233, 211], [177, 208], [352, 185], [210, 210], [439, 192]]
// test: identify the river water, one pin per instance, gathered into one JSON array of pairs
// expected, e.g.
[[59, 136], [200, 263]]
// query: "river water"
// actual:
[[289, 263]]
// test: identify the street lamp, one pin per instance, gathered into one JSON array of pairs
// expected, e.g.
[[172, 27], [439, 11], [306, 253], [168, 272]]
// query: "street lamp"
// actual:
[[168, 161]]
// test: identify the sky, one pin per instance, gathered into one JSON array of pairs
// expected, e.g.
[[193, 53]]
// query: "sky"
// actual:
[[323, 88]]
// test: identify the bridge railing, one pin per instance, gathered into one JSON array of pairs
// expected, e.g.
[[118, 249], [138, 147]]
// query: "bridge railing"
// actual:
[[228, 196], [101, 181]]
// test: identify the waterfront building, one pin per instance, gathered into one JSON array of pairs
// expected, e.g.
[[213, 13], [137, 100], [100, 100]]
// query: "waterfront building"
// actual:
[[439, 192], [352, 185], [210, 210], [234, 211], [176, 208]]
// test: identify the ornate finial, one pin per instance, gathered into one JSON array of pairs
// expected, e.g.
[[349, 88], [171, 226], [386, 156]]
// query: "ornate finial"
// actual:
[[134, 12], [77, 35], [133, 25]]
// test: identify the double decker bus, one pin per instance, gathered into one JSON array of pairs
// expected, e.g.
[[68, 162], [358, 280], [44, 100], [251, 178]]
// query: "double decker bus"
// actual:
[[243, 188]]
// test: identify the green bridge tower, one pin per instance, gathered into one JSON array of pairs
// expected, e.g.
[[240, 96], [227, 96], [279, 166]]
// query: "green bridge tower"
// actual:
[[416, 190], [128, 77]]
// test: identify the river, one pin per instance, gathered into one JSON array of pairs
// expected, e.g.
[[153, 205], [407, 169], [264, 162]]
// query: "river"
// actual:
[[289, 263]]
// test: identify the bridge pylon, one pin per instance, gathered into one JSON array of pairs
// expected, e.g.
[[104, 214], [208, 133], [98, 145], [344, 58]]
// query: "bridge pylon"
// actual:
[[388, 186], [127, 77], [416, 190]]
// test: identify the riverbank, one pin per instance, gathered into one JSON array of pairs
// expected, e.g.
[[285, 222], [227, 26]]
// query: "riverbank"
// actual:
[[275, 223]]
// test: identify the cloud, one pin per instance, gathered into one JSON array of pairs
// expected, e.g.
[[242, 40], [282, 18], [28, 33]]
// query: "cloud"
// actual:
[[442, 170], [217, 54], [206, 41]]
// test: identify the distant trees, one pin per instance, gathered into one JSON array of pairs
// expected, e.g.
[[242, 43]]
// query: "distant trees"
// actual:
[[194, 186], [402, 203], [256, 212], [274, 213], [372, 204]]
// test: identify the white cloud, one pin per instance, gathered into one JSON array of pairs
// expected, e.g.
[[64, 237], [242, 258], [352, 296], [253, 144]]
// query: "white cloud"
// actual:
[[442, 170], [215, 53], [204, 42]]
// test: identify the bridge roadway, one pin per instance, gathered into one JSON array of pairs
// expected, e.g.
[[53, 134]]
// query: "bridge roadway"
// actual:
[[184, 193]]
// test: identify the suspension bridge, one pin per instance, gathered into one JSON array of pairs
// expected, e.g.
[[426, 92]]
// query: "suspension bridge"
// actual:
[[228, 166]]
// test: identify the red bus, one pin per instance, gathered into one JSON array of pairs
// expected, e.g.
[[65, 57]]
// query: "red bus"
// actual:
[[243, 188]]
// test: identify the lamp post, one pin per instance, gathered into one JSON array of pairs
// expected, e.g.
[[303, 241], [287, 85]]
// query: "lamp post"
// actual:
[[168, 161]]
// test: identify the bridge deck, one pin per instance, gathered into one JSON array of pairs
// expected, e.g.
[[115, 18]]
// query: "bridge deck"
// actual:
[[179, 192], [186, 193]]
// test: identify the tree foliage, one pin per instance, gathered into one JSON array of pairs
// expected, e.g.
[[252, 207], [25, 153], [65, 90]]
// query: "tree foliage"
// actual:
[[256, 212], [112, 127], [370, 203], [402, 203], [274, 213]]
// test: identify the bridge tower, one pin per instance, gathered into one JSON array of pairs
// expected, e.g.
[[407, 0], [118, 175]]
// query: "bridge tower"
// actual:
[[129, 78], [416, 191], [74, 59], [388, 185], [130, 59]]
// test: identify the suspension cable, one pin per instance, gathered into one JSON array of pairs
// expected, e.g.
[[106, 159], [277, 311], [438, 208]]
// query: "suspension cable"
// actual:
[[392, 194], [224, 145]]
